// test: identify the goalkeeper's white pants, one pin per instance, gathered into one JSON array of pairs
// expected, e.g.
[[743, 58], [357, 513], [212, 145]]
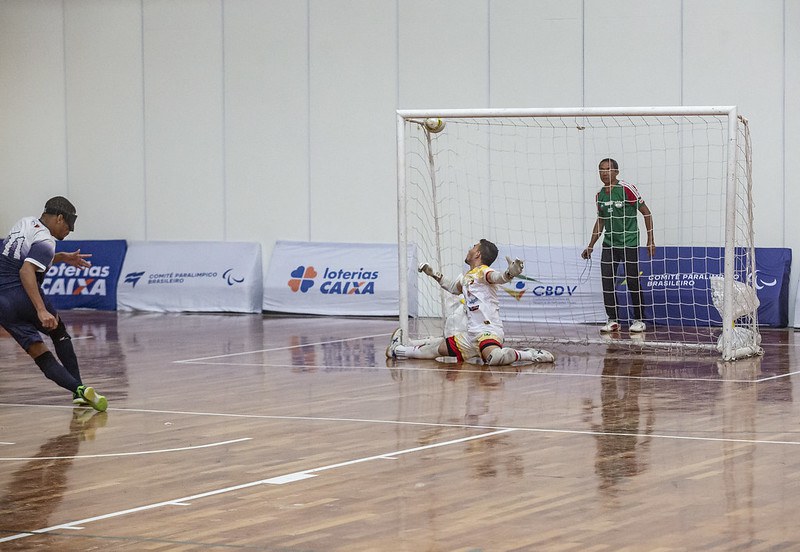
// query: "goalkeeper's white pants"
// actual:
[[428, 349], [504, 356]]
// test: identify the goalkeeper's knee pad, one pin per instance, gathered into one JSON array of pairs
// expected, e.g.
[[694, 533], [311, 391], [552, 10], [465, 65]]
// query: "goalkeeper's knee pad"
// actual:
[[502, 357]]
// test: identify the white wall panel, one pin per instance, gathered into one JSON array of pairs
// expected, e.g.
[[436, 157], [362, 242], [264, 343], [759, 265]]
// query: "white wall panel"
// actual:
[[632, 52], [353, 82], [32, 138], [184, 177], [791, 126], [443, 54], [104, 117], [536, 51], [266, 121], [733, 55]]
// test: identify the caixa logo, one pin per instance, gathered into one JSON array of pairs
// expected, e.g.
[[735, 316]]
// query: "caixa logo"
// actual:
[[334, 282], [348, 282], [68, 280], [302, 279]]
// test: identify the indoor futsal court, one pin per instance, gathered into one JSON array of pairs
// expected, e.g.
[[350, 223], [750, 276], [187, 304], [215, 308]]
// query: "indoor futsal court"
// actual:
[[250, 432]]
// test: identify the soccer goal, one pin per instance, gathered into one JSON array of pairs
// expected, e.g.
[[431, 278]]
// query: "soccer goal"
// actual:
[[527, 180]]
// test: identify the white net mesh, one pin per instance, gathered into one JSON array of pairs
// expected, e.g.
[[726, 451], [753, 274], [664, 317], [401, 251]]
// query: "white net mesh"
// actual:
[[528, 184]]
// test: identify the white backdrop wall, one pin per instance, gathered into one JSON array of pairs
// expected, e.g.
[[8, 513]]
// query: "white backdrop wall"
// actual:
[[260, 120]]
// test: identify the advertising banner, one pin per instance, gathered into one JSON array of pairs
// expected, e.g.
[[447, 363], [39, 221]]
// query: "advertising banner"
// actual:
[[558, 284], [69, 287], [677, 289], [191, 277], [333, 279]]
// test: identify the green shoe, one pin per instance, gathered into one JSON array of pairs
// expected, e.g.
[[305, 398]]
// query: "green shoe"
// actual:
[[95, 399], [77, 400]]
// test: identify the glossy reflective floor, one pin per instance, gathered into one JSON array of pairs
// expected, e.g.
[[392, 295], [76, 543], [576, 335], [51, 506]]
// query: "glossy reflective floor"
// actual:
[[244, 432]]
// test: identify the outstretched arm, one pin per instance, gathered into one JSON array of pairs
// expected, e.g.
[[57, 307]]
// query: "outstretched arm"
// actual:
[[76, 258], [648, 224], [597, 229], [453, 286]]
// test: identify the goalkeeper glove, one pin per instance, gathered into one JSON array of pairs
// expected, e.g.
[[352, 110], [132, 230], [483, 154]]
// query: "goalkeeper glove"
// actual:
[[426, 268], [514, 269]]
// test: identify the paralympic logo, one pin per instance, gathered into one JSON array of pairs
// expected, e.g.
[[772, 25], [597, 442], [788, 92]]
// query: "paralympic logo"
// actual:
[[760, 283], [230, 278], [302, 278]]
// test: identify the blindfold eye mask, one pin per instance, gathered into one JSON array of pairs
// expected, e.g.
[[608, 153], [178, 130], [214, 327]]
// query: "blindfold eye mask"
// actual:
[[69, 218]]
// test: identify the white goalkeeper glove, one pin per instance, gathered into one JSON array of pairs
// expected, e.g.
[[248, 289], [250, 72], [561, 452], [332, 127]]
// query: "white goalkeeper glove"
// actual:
[[514, 269], [427, 269]]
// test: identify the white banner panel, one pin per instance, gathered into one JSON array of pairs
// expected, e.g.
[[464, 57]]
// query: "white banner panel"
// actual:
[[797, 307], [333, 279], [191, 277], [556, 285]]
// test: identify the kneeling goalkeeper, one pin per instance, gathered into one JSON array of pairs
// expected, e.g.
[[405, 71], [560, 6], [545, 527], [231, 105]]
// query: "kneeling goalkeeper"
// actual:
[[484, 333]]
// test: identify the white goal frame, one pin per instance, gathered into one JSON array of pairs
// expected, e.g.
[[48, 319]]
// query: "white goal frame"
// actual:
[[731, 112]]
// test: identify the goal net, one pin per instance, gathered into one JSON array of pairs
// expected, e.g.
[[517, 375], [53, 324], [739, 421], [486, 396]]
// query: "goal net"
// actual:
[[527, 180]]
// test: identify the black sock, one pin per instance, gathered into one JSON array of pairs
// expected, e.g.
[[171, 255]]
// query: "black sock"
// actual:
[[66, 354], [51, 368]]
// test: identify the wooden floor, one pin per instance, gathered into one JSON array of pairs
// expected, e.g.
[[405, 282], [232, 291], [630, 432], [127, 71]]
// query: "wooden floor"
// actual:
[[244, 432]]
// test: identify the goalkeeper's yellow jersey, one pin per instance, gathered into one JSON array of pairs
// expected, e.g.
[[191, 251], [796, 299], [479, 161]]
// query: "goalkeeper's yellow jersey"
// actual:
[[482, 304]]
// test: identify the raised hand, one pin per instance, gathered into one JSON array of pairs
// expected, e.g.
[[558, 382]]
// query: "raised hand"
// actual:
[[76, 258], [427, 269], [515, 267]]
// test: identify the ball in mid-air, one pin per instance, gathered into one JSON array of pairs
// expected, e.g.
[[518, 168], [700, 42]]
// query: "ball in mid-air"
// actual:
[[434, 125]]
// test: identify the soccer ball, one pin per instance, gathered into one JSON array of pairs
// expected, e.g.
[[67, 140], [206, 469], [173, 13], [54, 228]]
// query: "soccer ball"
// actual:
[[434, 125]]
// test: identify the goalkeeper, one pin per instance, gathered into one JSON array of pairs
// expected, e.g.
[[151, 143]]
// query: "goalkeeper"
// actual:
[[483, 336], [618, 204]]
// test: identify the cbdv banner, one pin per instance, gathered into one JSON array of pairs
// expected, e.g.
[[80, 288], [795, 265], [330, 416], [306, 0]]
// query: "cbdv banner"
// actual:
[[677, 289], [332, 279], [69, 287], [557, 284], [191, 277]]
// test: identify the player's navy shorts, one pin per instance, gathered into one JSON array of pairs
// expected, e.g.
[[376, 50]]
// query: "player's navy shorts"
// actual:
[[18, 316]]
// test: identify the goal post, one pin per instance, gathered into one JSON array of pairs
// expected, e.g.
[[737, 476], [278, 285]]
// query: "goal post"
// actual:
[[526, 179]]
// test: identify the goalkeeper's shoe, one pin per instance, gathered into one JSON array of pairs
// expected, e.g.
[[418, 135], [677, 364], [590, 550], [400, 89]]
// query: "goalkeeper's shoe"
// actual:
[[95, 399], [611, 326], [637, 326], [540, 355], [394, 341]]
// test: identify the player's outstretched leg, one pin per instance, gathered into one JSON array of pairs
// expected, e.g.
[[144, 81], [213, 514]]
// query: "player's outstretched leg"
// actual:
[[505, 356], [429, 349], [537, 355]]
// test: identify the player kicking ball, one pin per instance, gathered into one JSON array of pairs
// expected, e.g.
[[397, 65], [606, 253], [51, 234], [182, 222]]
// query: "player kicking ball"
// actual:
[[484, 334], [25, 311]]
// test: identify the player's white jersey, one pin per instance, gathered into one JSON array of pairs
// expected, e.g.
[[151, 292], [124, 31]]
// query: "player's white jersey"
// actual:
[[29, 240], [481, 302]]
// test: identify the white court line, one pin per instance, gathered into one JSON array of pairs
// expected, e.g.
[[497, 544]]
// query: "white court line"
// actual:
[[297, 476], [137, 453], [440, 367], [190, 360], [779, 376], [429, 424]]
